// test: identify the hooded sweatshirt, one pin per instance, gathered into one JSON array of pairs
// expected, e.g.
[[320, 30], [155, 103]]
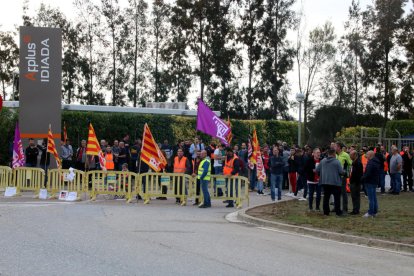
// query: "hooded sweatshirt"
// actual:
[[330, 171]]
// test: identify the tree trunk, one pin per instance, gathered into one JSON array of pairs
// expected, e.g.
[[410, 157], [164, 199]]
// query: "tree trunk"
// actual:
[[356, 89], [249, 89], [156, 65], [90, 96], [114, 69], [135, 59], [276, 63], [386, 86], [201, 62]]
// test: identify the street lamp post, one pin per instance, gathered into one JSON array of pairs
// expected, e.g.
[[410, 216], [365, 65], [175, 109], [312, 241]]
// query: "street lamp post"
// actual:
[[300, 98]]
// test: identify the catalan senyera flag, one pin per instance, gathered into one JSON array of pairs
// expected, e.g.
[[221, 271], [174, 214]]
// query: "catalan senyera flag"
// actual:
[[261, 172], [65, 133], [51, 147], [93, 147], [229, 137], [150, 152]]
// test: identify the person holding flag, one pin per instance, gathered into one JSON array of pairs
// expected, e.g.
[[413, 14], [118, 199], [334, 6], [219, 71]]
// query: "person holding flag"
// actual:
[[204, 175], [151, 155], [51, 147], [93, 148], [18, 152]]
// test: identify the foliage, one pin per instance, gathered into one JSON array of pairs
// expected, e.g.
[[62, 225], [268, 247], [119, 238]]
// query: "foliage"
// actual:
[[8, 120]]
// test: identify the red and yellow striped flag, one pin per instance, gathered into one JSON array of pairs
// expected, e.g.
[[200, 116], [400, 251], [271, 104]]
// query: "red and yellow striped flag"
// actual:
[[92, 147], [150, 152], [51, 148], [229, 137]]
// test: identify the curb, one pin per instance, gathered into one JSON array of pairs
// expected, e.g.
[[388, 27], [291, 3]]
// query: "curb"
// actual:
[[370, 242]]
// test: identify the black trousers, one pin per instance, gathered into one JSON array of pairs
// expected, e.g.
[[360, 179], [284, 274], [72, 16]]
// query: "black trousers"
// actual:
[[356, 196], [408, 179], [336, 192]]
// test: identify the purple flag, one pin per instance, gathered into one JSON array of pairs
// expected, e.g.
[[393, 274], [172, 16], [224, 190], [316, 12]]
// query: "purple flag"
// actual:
[[18, 154], [209, 123]]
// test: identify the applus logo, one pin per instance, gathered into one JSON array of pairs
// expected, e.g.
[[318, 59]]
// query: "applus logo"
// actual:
[[34, 67]]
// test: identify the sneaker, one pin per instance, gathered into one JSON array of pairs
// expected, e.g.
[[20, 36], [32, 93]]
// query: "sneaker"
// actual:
[[367, 216], [302, 199], [229, 206]]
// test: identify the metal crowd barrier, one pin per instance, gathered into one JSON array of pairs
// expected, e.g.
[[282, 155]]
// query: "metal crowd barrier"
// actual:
[[112, 183], [58, 180], [165, 185], [29, 179], [224, 187], [6, 177], [125, 184]]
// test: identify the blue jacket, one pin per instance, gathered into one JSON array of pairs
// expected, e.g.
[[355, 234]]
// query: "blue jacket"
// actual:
[[372, 172]]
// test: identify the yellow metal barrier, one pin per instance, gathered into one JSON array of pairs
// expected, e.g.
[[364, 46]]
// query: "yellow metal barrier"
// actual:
[[6, 177], [29, 179], [58, 180], [161, 185], [111, 183], [224, 187]]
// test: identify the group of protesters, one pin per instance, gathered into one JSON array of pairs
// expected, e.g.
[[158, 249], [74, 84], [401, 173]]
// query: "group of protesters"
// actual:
[[306, 172]]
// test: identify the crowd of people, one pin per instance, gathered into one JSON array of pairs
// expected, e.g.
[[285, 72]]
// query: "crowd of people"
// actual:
[[306, 172]]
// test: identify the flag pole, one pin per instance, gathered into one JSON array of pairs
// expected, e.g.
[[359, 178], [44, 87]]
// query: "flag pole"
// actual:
[[50, 126]]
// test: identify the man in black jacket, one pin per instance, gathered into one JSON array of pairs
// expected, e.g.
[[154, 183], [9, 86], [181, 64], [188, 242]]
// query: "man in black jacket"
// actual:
[[355, 182], [371, 181]]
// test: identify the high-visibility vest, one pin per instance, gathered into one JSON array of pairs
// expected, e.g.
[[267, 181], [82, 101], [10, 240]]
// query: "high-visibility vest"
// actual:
[[364, 162], [180, 164], [385, 162], [201, 170], [228, 166], [109, 161]]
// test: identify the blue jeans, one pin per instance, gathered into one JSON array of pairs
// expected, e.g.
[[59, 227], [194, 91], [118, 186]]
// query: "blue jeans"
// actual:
[[396, 182], [206, 194], [312, 189], [372, 198], [276, 181], [382, 181], [253, 178], [259, 185]]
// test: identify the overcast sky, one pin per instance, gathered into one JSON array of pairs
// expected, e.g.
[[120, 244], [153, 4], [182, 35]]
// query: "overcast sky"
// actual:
[[316, 13]]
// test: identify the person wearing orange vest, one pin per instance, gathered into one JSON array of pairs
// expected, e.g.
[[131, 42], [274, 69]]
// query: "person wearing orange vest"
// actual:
[[109, 159], [181, 165], [231, 168]]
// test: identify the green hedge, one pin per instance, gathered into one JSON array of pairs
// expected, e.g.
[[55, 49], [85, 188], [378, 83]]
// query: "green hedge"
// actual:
[[405, 127], [111, 126]]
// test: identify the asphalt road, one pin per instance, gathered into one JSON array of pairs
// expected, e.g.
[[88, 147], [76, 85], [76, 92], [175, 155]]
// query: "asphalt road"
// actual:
[[114, 238]]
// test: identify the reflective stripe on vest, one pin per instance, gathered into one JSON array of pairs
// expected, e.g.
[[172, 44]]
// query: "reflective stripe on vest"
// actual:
[[201, 170], [179, 165], [228, 166], [109, 161]]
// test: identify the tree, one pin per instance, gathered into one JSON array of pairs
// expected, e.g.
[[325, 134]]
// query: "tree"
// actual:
[[116, 40], [92, 59], [175, 55], [138, 19], [223, 55], [278, 54], [311, 61], [253, 11], [160, 12], [353, 41], [382, 23], [9, 56]]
